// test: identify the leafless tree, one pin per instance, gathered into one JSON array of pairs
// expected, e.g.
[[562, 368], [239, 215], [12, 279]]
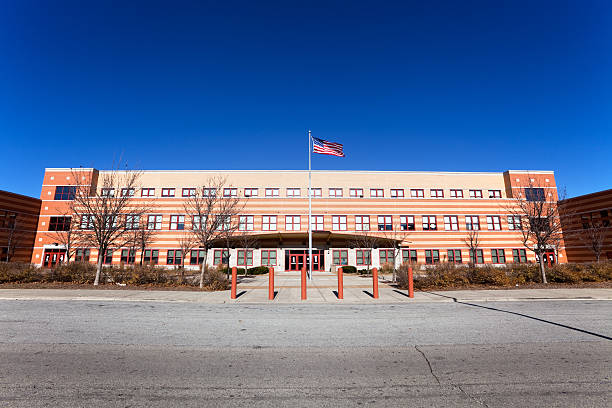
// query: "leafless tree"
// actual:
[[472, 240], [594, 235], [186, 242], [245, 241], [393, 239], [143, 236], [211, 213], [14, 235], [367, 240], [71, 237]]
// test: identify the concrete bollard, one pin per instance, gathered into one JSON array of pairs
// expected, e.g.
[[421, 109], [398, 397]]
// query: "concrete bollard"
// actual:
[[375, 283], [304, 283], [234, 278], [410, 283], [271, 284], [340, 284]]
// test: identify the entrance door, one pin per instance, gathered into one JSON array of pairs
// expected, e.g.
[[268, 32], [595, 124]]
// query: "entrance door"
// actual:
[[53, 257], [295, 260], [549, 258]]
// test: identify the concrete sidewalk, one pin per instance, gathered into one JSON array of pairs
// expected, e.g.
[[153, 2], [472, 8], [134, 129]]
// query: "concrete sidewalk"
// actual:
[[322, 289]]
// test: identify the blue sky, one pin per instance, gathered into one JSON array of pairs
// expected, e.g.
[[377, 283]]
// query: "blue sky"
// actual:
[[428, 85]]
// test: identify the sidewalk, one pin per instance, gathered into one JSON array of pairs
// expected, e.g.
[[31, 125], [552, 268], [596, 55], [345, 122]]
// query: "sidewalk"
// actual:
[[321, 289]]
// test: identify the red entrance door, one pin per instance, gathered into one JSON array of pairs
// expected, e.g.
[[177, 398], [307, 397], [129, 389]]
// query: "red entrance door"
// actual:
[[549, 258], [295, 260], [53, 257]]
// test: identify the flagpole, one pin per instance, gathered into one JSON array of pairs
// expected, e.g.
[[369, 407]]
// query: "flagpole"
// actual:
[[310, 207]]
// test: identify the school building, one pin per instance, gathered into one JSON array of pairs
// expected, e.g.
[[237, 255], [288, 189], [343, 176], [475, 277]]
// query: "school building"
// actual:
[[18, 226]]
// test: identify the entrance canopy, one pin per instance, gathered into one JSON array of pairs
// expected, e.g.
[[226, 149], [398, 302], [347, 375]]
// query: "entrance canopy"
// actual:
[[320, 239]]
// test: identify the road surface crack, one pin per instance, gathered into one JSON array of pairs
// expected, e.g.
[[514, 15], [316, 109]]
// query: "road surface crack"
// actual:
[[428, 363], [469, 396]]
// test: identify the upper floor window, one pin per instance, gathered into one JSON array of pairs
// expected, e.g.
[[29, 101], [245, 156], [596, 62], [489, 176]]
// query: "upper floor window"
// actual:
[[417, 193], [534, 194], [493, 222], [397, 193], [407, 223], [59, 223], [132, 222], [246, 223], [268, 223], [362, 223], [472, 223], [293, 192], [356, 192], [230, 192], [385, 223], [189, 192], [494, 193], [198, 222], [177, 222], [451, 223], [168, 192], [209, 192], [339, 222], [87, 221], [514, 222], [154, 222], [436, 193], [271, 192], [251, 192], [65, 192], [316, 192], [429, 223], [292, 223], [475, 193], [127, 192], [316, 222], [335, 192], [147, 192], [107, 192], [223, 222], [377, 192], [456, 193]]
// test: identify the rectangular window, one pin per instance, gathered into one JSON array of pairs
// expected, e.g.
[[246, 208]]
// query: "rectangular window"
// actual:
[[230, 192], [82, 255], [417, 193], [478, 259], [175, 257], [127, 192], [189, 192], [223, 222], [196, 257], [147, 192], [168, 192], [472, 223], [151, 256], [409, 256], [385, 223], [534, 194], [386, 256], [132, 222], [64, 193], [198, 222], [107, 259], [339, 222], [335, 192], [356, 192], [454, 256], [475, 193], [316, 192], [340, 256], [128, 256], [59, 223], [209, 192], [432, 256], [316, 222], [87, 222], [292, 223], [154, 222], [494, 193], [377, 192], [397, 193], [407, 223], [271, 192], [451, 223], [110, 221], [514, 222], [364, 257], [429, 223], [362, 223], [251, 192], [177, 222], [245, 258], [268, 223], [498, 256], [493, 222], [246, 223], [268, 257], [293, 192], [107, 192], [436, 193], [519, 255], [456, 193], [218, 260]]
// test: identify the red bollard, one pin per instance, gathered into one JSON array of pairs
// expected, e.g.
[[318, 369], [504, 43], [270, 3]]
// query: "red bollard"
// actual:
[[340, 284], [410, 283], [375, 283], [234, 277], [304, 283], [271, 285]]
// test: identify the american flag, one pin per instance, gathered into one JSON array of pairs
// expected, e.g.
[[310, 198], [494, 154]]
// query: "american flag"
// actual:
[[325, 147]]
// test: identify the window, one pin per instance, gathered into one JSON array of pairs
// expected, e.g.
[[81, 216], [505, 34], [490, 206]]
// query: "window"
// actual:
[[196, 257], [82, 255], [429, 223], [494, 193], [456, 193], [356, 192], [223, 222], [397, 193], [151, 256], [189, 192], [514, 222], [478, 259], [293, 192], [245, 257], [230, 192], [271, 192], [87, 222], [154, 222], [177, 222], [335, 192], [340, 257], [534, 194], [451, 223], [475, 193], [246, 223], [454, 255], [198, 222], [407, 223], [386, 256], [493, 222], [175, 257], [417, 193], [64, 193], [127, 192], [132, 222], [519, 255], [436, 193], [498, 256], [292, 223], [316, 222], [217, 260], [110, 221], [147, 192], [385, 223], [60, 223], [377, 192], [409, 256], [268, 223], [251, 192], [107, 192], [362, 223], [168, 192], [364, 257], [128, 256], [316, 192], [539, 224], [432, 256], [107, 258], [209, 192], [472, 223], [339, 222], [268, 257]]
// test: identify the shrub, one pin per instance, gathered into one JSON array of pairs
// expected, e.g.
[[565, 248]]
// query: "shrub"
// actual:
[[215, 279], [76, 272], [16, 272], [258, 270], [349, 269]]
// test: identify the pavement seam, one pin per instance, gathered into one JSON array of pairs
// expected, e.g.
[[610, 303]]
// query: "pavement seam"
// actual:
[[428, 364]]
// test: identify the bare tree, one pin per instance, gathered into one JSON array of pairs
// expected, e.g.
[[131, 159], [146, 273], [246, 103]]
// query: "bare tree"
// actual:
[[186, 242], [211, 212], [393, 239], [14, 236], [143, 237], [472, 240], [594, 236], [367, 240], [69, 235], [245, 241]]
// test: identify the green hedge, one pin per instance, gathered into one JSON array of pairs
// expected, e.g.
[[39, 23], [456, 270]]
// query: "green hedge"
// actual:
[[349, 269]]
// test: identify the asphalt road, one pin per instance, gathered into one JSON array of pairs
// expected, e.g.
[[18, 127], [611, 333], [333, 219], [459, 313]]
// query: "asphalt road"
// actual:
[[121, 354]]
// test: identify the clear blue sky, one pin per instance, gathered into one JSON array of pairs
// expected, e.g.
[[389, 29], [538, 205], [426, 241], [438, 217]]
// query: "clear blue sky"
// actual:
[[427, 85]]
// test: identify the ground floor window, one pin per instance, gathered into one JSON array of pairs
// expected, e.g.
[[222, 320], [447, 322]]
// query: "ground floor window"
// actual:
[[519, 255], [364, 257], [478, 258], [175, 257], [386, 256], [221, 257], [197, 257], [432, 256], [498, 256], [454, 255], [107, 259], [245, 257], [268, 257], [128, 256], [82, 255], [151, 256], [409, 256], [340, 257]]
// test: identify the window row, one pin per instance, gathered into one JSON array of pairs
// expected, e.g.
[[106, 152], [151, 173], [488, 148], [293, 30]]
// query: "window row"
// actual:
[[432, 256]]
